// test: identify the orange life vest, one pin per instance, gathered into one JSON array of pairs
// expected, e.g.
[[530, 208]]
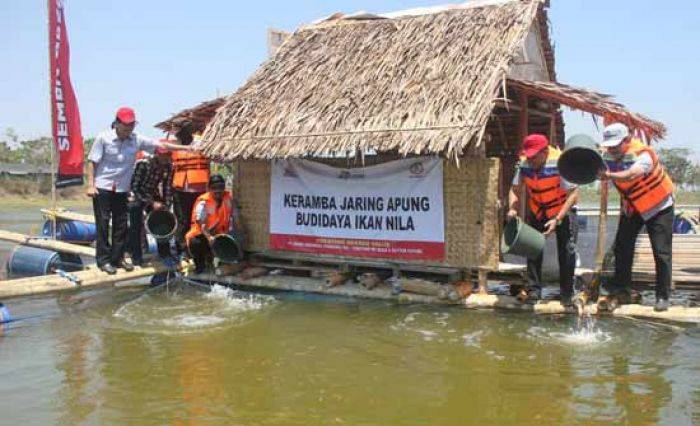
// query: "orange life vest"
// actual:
[[647, 191], [189, 168], [544, 186], [218, 219]]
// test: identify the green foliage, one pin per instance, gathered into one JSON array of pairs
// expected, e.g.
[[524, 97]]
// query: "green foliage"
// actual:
[[678, 164], [33, 151]]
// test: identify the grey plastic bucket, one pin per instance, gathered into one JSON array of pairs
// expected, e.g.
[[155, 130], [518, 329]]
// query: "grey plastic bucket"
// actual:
[[226, 248], [581, 162], [521, 239], [162, 224]]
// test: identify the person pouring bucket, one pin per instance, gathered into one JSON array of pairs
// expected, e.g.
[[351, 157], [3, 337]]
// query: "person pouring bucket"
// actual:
[[551, 199], [646, 195], [214, 213], [109, 170], [151, 190]]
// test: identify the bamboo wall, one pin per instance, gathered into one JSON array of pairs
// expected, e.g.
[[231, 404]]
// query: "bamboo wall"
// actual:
[[470, 197]]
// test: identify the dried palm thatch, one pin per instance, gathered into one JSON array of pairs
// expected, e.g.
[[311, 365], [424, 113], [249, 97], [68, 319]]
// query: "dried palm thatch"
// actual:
[[591, 102], [423, 84], [199, 115]]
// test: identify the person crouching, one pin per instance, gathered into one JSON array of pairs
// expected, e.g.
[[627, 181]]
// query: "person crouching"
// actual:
[[213, 214]]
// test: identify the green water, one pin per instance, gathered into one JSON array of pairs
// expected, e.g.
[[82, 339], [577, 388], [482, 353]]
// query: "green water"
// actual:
[[183, 355]]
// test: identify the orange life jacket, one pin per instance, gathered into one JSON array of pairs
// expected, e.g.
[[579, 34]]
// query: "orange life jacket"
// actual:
[[647, 191], [189, 168], [217, 219], [544, 186]]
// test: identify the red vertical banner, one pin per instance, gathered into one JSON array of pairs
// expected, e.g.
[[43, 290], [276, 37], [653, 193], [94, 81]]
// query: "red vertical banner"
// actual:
[[65, 116]]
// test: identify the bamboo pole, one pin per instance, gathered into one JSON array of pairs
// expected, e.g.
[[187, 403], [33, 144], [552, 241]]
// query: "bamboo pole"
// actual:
[[523, 129], [51, 114], [87, 279], [47, 243], [602, 225], [68, 215]]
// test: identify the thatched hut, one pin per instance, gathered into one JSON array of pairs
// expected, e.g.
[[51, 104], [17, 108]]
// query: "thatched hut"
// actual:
[[465, 82]]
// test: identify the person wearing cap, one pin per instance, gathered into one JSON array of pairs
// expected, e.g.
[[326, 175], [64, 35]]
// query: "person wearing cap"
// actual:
[[214, 213], [151, 189], [191, 174], [646, 196], [109, 170], [551, 199]]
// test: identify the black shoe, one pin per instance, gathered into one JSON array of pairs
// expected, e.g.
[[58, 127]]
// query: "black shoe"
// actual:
[[127, 265], [661, 305], [108, 268]]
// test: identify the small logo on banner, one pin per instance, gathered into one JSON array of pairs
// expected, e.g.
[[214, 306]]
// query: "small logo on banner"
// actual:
[[417, 170]]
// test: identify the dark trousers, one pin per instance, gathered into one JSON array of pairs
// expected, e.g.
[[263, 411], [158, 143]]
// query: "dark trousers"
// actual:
[[660, 230], [183, 203], [108, 205], [136, 233], [200, 253], [566, 254]]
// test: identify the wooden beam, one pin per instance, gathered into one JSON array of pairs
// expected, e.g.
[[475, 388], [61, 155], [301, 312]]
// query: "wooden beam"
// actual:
[[510, 105], [523, 130], [86, 279], [47, 243], [68, 215]]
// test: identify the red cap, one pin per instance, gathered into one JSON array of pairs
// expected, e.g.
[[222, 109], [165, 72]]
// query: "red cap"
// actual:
[[533, 144], [126, 115]]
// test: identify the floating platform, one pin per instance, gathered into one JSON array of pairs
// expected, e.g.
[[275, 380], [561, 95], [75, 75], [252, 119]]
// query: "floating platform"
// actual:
[[473, 301]]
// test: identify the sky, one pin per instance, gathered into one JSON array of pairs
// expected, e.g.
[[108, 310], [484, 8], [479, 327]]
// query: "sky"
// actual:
[[163, 56]]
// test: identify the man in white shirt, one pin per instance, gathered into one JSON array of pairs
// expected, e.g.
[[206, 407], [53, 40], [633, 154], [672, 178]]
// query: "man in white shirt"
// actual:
[[110, 167]]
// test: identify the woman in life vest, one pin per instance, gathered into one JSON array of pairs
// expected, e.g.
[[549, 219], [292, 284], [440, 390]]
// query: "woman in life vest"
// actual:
[[549, 211], [646, 194], [214, 213], [190, 177]]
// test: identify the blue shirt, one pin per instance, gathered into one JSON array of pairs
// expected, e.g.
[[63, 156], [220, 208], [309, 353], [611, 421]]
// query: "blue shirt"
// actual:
[[115, 158]]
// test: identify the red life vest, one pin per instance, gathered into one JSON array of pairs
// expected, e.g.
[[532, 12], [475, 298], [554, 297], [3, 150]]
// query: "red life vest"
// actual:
[[544, 186]]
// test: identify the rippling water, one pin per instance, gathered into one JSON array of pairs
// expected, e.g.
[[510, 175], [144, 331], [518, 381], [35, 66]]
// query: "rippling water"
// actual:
[[183, 355]]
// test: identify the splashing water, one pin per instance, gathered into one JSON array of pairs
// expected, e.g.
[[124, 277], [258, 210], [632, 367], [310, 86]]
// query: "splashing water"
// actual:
[[185, 309]]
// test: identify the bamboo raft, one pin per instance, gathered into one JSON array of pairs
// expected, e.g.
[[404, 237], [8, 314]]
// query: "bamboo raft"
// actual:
[[473, 301]]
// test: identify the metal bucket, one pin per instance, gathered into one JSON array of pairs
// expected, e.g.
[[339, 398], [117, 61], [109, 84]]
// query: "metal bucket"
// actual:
[[581, 162], [28, 261], [226, 248], [162, 224], [521, 239], [73, 231]]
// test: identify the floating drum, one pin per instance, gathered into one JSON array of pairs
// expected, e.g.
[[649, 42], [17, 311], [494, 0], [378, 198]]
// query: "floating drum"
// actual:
[[581, 162], [73, 231], [226, 248], [162, 224], [521, 239], [28, 261]]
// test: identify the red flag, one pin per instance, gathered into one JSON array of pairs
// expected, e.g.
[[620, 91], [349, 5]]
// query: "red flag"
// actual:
[[65, 117]]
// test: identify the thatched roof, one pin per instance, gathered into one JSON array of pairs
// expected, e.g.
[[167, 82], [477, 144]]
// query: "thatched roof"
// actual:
[[417, 84], [591, 102], [199, 115]]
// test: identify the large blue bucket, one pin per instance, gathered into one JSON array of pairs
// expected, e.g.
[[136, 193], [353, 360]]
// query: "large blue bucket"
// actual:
[[72, 231], [28, 261]]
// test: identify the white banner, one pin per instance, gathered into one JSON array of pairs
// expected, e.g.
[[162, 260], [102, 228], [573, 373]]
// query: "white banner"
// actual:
[[392, 210]]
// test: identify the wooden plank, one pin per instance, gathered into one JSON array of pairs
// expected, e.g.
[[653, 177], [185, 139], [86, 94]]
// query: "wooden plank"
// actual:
[[68, 215], [47, 243], [87, 279]]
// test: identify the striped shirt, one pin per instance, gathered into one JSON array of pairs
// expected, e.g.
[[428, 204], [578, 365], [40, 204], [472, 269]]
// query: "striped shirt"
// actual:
[[153, 181]]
